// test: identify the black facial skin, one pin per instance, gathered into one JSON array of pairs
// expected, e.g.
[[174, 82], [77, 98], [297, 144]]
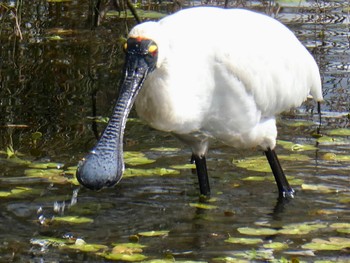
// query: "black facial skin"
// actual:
[[104, 165]]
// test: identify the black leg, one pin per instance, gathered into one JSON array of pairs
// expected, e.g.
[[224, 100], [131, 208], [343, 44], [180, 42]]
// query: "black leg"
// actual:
[[284, 188], [202, 173]]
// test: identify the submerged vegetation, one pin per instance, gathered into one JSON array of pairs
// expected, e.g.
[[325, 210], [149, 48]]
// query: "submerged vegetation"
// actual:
[[59, 66]]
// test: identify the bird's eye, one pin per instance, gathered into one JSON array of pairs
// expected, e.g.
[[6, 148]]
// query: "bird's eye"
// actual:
[[125, 46], [152, 49]]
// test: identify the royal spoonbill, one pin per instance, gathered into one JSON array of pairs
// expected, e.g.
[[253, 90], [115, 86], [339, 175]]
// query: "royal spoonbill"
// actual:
[[204, 73]]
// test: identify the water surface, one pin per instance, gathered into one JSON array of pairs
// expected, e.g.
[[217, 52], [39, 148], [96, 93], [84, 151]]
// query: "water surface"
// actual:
[[62, 73]]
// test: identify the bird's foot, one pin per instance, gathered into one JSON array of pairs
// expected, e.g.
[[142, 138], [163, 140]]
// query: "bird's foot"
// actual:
[[287, 193]]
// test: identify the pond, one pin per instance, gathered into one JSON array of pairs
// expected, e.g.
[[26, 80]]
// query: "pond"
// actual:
[[58, 85]]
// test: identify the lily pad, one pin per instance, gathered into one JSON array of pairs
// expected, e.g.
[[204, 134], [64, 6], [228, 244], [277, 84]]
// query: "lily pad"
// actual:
[[48, 241], [301, 123], [295, 146], [328, 140], [301, 228], [165, 149], [244, 240], [344, 230], [318, 187], [81, 245], [129, 245], [335, 157], [184, 166], [231, 260], [340, 225], [154, 233], [203, 206], [276, 245], [16, 192], [73, 219], [334, 243], [257, 231], [123, 257], [132, 172], [46, 165], [58, 1], [51, 175], [136, 158], [126, 251], [260, 164], [143, 14], [257, 178], [339, 132]]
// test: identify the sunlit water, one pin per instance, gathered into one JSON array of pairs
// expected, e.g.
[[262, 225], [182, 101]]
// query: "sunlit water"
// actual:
[[48, 83]]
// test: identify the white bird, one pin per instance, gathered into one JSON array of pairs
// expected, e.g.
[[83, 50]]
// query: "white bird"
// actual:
[[204, 73]]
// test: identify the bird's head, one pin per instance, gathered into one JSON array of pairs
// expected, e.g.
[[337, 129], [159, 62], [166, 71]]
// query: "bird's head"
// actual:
[[104, 165]]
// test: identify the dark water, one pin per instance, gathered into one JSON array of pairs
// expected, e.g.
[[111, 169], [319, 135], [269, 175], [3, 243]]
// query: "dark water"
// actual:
[[51, 80]]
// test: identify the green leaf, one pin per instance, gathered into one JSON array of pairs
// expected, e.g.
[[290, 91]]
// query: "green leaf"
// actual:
[[132, 172], [36, 135], [52, 175], [73, 219], [340, 225], [130, 245], [244, 240], [301, 228], [258, 164], [48, 241], [327, 140], [16, 192], [184, 166], [334, 243], [257, 178], [165, 149], [123, 257], [154, 233], [301, 123], [339, 132], [257, 231], [344, 230], [58, 1], [335, 157], [276, 245], [295, 147], [86, 247], [46, 165], [231, 260], [10, 151], [203, 206], [319, 188], [136, 158]]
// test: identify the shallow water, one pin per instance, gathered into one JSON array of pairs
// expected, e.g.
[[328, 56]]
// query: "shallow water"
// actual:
[[49, 83]]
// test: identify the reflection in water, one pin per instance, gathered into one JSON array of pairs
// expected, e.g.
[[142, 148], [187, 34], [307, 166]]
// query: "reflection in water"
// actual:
[[47, 81]]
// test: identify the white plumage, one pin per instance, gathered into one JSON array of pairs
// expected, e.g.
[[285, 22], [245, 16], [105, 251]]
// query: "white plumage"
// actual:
[[207, 73], [224, 73]]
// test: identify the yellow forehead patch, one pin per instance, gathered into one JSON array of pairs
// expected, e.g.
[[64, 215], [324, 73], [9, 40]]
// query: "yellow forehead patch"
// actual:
[[152, 48]]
